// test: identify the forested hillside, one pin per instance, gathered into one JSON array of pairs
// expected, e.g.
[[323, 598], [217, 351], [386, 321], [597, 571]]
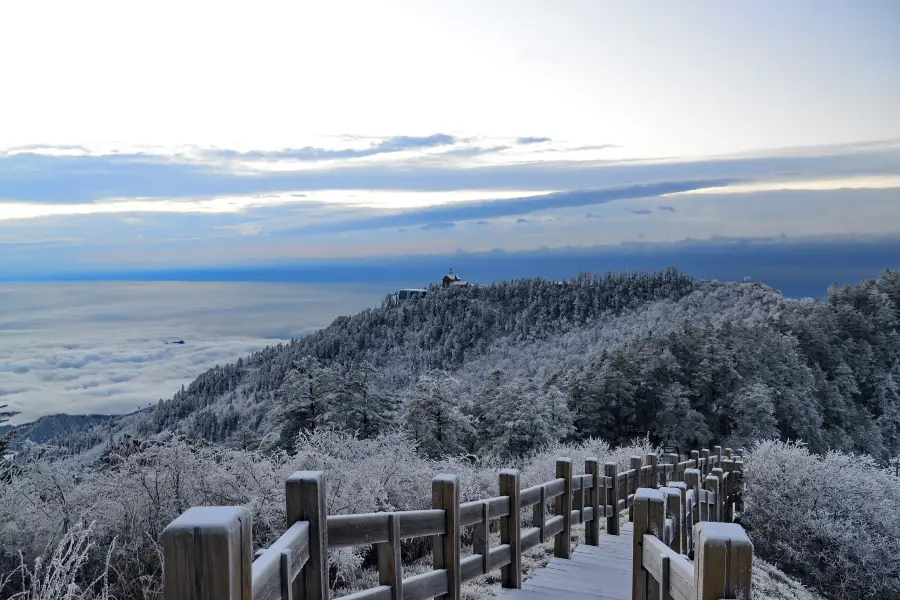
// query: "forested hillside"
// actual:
[[508, 367], [509, 374]]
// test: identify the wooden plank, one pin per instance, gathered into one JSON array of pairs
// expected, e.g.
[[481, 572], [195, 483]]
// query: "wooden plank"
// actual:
[[356, 530], [554, 526], [530, 538], [499, 557], [433, 584], [681, 579], [390, 565], [511, 529], [651, 557], [373, 528], [530, 496], [207, 554], [555, 488], [381, 592], [470, 512], [268, 572], [305, 496], [445, 551], [472, 566], [562, 546]]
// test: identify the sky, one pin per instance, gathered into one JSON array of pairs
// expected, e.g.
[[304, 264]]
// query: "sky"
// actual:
[[142, 137]]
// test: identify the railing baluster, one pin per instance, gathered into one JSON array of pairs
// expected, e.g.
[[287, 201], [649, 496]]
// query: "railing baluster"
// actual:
[[633, 485], [653, 461], [610, 469], [649, 517], [562, 547], [445, 550], [390, 565], [724, 562], [207, 554], [592, 528], [305, 495], [511, 529]]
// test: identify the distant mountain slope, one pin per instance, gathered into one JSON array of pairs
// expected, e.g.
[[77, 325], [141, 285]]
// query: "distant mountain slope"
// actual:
[[738, 360], [53, 427], [444, 330]]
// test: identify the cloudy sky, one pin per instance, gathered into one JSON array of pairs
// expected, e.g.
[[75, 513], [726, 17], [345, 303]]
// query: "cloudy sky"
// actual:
[[147, 135]]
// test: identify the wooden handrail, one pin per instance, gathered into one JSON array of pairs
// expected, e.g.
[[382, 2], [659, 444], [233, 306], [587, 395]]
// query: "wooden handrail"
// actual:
[[208, 551], [704, 516]]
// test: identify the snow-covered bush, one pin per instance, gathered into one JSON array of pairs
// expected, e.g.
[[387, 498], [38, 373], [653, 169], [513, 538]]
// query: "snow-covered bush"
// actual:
[[131, 497], [57, 575], [833, 521]]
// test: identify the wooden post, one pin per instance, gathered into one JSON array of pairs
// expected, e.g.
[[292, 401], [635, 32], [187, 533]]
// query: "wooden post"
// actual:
[[612, 498], [562, 546], [445, 551], [673, 460], [672, 498], [720, 496], [730, 489], [704, 460], [695, 456], [592, 529], [724, 562], [305, 494], [682, 491], [727, 452], [653, 461], [633, 484], [711, 483], [390, 564], [207, 555], [717, 450], [511, 529], [692, 481], [649, 518]]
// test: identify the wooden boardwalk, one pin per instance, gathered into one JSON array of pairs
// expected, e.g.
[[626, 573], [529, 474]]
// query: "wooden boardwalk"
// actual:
[[599, 572], [676, 507]]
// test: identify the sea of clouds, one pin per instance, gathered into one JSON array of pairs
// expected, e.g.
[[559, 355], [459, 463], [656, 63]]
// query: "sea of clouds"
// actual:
[[101, 347]]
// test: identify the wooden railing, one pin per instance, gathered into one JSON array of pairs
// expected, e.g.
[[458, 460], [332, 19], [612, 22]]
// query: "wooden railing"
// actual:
[[208, 554]]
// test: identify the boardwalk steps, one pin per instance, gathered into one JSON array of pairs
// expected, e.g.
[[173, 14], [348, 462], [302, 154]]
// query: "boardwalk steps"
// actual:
[[603, 572], [675, 508]]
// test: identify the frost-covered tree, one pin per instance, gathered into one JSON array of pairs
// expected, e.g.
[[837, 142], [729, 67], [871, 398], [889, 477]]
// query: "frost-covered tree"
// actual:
[[363, 404], [436, 416], [306, 398], [516, 417], [754, 416]]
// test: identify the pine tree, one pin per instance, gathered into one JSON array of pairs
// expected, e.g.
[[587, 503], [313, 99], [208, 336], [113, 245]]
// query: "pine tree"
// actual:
[[305, 398], [435, 415]]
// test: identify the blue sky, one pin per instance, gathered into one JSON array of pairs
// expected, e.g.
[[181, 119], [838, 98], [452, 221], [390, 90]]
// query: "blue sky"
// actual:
[[184, 135]]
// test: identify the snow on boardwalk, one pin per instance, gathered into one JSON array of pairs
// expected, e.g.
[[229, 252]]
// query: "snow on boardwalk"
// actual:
[[602, 572]]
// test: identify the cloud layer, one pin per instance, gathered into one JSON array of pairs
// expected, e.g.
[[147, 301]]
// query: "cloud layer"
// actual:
[[85, 348]]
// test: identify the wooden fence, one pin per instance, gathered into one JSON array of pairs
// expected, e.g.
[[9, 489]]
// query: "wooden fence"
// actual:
[[208, 554]]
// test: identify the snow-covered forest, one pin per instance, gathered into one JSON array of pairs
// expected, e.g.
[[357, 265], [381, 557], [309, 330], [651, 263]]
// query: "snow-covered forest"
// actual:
[[511, 374]]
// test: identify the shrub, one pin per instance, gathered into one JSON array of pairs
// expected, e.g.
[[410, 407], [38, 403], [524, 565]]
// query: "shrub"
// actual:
[[833, 521]]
